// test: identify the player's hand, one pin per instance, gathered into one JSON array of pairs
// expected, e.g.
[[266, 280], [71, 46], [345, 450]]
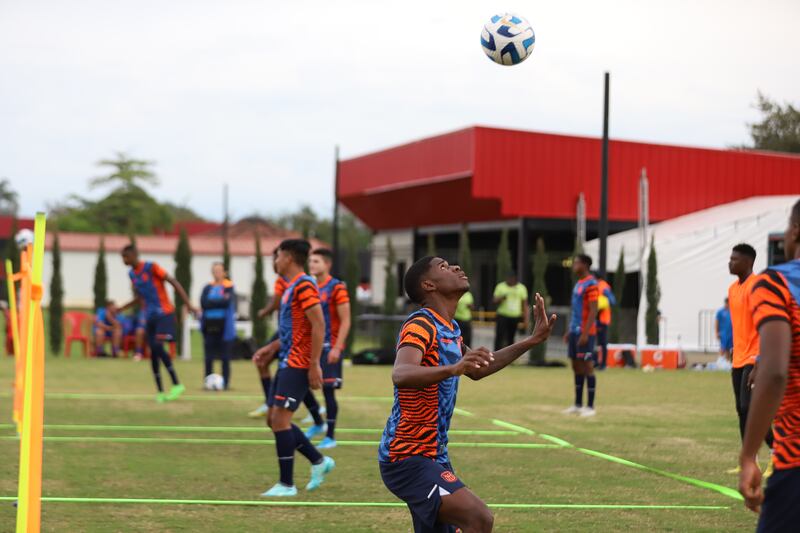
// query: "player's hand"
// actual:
[[750, 484], [262, 312], [583, 339], [751, 377], [195, 312], [474, 360], [543, 324], [334, 355], [315, 377], [265, 355]]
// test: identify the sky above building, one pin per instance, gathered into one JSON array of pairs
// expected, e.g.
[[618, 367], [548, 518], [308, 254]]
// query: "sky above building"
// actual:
[[257, 94]]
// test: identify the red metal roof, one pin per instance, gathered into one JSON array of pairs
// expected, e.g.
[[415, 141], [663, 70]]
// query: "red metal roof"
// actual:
[[7, 222], [481, 173]]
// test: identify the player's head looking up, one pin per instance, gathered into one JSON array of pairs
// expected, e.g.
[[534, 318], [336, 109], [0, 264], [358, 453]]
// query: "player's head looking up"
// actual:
[[791, 239], [130, 255], [292, 255], [320, 262], [742, 258], [433, 277], [581, 264]]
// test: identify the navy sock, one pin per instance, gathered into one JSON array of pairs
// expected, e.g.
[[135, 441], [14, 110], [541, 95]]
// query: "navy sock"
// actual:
[[591, 382], [304, 446], [265, 384], [313, 407], [579, 378], [331, 410], [158, 351], [285, 445], [154, 363]]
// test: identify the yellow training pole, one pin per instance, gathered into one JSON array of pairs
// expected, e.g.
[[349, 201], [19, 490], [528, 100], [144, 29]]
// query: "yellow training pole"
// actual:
[[29, 499], [12, 306]]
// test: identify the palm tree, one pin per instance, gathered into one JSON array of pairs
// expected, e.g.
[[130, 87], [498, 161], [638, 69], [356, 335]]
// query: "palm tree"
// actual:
[[9, 199], [128, 173]]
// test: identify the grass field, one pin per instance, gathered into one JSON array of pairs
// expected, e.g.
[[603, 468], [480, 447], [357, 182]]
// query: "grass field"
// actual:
[[678, 422]]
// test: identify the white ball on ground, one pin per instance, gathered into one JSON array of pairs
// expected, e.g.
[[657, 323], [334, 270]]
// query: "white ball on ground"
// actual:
[[214, 382]]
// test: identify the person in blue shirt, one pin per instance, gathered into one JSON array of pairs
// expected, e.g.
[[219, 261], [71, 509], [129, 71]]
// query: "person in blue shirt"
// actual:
[[724, 328], [218, 321], [107, 327]]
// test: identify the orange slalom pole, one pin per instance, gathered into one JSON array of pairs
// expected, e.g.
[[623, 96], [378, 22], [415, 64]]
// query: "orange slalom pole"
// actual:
[[21, 357]]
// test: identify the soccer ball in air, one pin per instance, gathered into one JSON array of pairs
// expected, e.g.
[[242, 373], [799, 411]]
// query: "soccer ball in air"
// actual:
[[23, 238], [507, 39], [214, 382]]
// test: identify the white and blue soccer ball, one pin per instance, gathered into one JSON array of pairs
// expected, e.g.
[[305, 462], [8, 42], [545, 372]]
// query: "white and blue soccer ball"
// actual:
[[507, 39], [214, 382], [23, 238]]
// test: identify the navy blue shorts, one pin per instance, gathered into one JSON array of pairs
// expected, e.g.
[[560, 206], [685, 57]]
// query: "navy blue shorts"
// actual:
[[331, 373], [421, 483], [289, 387], [161, 328], [582, 352], [780, 511]]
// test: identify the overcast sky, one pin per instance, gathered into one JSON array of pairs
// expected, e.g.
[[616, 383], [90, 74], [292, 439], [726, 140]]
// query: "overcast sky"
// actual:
[[257, 93]]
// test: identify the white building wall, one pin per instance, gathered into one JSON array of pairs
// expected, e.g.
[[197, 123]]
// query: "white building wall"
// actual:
[[403, 244]]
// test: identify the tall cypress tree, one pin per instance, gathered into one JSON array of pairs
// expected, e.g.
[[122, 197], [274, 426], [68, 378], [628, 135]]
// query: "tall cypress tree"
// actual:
[[352, 275], [183, 274], [653, 296], [431, 245], [503, 257], [464, 251], [56, 326], [258, 298], [389, 296], [538, 352], [226, 254], [619, 290], [11, 251], [100, 278]]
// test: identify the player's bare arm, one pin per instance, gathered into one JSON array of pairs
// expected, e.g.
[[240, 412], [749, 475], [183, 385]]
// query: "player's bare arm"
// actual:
[[180, 291], [587, 325], [776, 342], [343, 310], [314, 315]]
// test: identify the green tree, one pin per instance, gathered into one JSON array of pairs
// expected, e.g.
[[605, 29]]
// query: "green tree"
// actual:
[[126, 173], [389, 296], [11, 251], [779, 127], [258, 298], [183, 274], [100, 278], [226, 253], [653, 296], [56, 326], [431, 250], [619, 290], [9, 199], [504, 267], [464, 251], [538, 352], [351, 275]]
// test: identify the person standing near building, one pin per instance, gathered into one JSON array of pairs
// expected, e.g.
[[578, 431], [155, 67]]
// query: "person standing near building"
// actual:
[[605, 300], [724, 329], [511, 299], [466, 304], [582, 335], [218, 323], [107, 327], [745, 335]]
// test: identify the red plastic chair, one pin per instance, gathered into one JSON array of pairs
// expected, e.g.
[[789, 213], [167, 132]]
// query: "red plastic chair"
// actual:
[[75, 325]]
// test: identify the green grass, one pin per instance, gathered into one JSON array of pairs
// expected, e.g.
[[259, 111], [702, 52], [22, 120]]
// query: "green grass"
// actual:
[[680, 422]]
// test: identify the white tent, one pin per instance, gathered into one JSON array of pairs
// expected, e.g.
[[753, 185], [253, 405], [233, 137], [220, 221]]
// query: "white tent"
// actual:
[[693, 252]]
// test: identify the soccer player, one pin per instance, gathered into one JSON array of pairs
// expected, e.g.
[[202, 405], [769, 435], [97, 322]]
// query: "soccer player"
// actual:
[[218, 322], [107, 326], [431, 356], [511, 299], [724, 329], [582, 334], [336, 309], [775, 303], [605, 300], [302, 334], [148, 283], [745, 334]]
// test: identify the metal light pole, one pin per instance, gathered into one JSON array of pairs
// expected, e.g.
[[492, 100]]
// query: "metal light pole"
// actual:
[[603, 229]]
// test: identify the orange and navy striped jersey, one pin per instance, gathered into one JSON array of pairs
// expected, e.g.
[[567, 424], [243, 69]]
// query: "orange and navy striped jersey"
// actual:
[[300, 295], [604, 289], [420, 418], [745, 334], [332, 293], [776, 296], [148, 281], [280, 286], [584, 293]]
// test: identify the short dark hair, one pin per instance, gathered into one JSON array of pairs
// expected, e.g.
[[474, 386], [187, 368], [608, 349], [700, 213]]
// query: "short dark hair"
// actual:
[[745, 249], [413, 279], [325, 253], [130, 248], [585, 259], [297, 248], [511, 274]]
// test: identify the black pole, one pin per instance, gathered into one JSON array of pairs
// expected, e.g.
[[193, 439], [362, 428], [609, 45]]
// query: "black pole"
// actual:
[[335, 243], [601, 267]]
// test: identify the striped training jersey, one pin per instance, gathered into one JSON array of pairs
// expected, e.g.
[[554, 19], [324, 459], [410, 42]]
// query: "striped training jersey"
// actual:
[[280, 286], [148, 280], [776, 296], [585, 292], [300, 295], [420, 418], [332, 293]]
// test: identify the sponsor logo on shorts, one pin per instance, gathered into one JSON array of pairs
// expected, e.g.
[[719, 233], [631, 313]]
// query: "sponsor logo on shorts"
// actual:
[[449, 476]]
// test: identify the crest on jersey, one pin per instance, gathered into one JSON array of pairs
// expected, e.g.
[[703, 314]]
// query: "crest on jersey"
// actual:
[[449, 476]]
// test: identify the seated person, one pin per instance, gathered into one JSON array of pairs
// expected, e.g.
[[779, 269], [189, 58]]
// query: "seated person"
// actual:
[[107, 326]]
